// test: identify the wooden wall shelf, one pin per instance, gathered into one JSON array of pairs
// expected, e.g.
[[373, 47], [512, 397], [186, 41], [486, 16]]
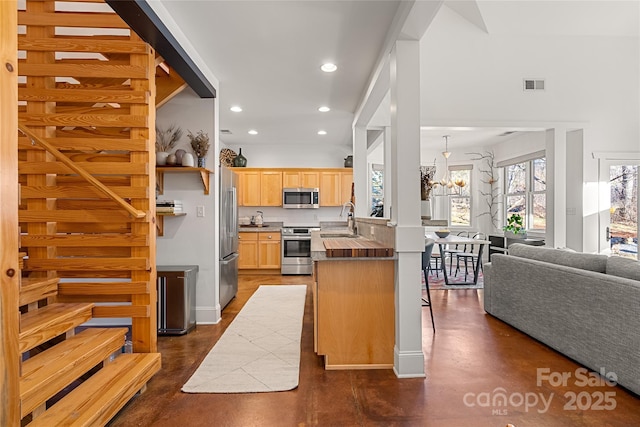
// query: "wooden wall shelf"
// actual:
[[160, 220], [161, 170]]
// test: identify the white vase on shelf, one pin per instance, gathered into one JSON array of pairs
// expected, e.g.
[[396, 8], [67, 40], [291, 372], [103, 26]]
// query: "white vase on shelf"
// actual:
[[187, 160], [161, 158]]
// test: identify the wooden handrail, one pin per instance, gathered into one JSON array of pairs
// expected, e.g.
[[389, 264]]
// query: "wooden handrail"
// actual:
[[83, 173]]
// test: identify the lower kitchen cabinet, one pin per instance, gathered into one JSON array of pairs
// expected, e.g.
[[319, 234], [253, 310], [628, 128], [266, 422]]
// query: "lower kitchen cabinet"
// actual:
[[247, 250], [259, 250], [269, 250], [354, 313]]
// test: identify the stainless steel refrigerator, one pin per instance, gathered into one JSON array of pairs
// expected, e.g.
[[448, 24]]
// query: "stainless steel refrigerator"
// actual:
[[228, 236]]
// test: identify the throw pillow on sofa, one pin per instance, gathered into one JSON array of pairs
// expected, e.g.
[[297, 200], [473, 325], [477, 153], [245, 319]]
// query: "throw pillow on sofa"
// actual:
[[592, 262], [623, 267]]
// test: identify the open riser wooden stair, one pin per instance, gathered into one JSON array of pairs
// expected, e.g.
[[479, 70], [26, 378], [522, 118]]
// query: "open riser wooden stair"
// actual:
[[61, 378], [86, 170]]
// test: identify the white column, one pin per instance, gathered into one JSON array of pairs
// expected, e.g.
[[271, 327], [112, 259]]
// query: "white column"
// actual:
[[556, 155], [405, 156], [388, 172], [360, 173]]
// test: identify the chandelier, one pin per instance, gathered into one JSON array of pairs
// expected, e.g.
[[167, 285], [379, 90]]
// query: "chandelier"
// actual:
[[449, 187]]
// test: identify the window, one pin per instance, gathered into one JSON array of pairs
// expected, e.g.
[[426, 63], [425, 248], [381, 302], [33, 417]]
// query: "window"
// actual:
[[525, 187], [460, 199], [377, 190]]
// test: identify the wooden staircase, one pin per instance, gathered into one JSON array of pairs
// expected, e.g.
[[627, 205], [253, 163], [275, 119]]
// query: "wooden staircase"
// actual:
[[86, 168], [53, 387]]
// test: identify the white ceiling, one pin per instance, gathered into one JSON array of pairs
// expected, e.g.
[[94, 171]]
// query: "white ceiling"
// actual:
[[267, 56]]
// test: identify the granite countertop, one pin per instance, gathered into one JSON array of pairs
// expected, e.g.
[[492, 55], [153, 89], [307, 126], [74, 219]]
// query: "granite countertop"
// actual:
[[319, 252], [266, 228]]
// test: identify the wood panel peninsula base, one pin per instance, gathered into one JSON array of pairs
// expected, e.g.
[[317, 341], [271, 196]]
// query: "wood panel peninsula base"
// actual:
[[354, 313]]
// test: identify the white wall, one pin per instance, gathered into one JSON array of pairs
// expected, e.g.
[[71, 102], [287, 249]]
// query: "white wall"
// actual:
[[472, 77], [190, 239]]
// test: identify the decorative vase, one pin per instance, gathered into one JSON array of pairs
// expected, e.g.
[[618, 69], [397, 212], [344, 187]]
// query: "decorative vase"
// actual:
[[171, 160], [425, 209], [348, 162], [187, 160], [202, 161], [161, 158], [240, 161], [179, 153]]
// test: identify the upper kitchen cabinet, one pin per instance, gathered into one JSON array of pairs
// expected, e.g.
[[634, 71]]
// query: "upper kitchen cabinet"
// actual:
[[346, 182], [335, 187], [300, 179], [258, 187], [271, 188]]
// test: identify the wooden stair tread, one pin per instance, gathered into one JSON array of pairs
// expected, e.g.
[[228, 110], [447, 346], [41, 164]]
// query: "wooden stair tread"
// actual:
[[98, 399], [48, 372], [33, 289], [39, 326]]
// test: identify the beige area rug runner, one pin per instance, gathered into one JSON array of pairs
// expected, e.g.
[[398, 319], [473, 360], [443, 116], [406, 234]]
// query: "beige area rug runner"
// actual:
[[260, 350]]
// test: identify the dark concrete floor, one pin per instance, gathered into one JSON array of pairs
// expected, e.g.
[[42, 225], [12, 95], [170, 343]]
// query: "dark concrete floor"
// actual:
[[471, 359]]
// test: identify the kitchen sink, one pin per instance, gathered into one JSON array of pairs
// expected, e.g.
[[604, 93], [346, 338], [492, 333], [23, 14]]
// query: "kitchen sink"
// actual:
[[338, 235]]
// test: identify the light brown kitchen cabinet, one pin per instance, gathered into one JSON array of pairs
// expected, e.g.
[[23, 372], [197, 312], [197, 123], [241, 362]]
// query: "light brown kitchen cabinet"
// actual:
[[248, 188], [263, 186], [260, 251], [270, 188], [269, 250], [259, 187], [354, 313], [300, 179], [346, 181], [247, 250]]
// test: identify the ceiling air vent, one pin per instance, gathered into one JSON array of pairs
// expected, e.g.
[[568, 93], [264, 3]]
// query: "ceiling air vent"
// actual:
[[225, 132], [533, 84]]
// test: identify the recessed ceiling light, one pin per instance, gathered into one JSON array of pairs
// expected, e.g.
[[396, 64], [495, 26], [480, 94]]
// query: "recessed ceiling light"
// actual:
[[324, 109], [253, 132], [322, 132], [236, 109], [328, 67]]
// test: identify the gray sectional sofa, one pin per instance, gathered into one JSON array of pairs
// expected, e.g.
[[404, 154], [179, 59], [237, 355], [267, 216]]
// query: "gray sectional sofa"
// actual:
[[585, 306]]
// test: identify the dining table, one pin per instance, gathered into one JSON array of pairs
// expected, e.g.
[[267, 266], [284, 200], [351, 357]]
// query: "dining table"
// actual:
[[443, 242]]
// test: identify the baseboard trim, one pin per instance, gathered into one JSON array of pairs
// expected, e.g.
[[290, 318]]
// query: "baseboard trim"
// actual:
[[208, 315], [408, 364]]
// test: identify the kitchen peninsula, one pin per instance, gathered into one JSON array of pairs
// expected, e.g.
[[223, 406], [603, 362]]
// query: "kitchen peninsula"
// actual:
[[353, 296]]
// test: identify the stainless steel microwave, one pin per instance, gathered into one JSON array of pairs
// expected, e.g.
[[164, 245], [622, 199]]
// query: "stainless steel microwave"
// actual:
[[300, 198]]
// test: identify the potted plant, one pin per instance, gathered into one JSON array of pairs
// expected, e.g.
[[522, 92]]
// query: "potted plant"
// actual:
[[515, 227], [200, 145], [166, 140]]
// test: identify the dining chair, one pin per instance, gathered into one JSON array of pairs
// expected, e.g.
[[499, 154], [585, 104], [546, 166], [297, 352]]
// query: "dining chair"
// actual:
[[426, 263], [469, 256], [456, 249]]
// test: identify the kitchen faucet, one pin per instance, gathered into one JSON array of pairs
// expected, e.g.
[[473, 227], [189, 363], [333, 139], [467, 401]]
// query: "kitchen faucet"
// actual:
[[351, 223], [344, 205]]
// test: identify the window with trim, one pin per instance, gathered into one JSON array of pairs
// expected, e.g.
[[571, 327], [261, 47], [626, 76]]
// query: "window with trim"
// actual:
[[460, 196], [377, 187], [525, 192]]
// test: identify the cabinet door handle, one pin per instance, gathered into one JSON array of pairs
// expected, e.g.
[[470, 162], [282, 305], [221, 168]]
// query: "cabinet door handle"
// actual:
[[269, 236]]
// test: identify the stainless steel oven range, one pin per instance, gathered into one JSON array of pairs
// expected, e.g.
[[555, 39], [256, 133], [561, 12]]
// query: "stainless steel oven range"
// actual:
[[296, 249]]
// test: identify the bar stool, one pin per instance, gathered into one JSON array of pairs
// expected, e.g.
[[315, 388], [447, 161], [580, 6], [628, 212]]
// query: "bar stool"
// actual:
[[426, 264]]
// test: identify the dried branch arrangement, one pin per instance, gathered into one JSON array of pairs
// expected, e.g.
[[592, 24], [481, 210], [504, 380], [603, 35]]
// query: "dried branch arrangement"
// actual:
[[426, 181], [167, 139], [199, 143], [489, 176]]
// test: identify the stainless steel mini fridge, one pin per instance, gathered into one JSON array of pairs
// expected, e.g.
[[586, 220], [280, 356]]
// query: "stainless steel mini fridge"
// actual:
[[176, 299]]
